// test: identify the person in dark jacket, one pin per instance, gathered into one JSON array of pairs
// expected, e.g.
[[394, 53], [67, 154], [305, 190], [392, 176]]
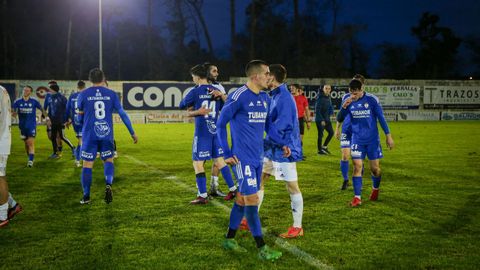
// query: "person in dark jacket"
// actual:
[[56, 105], [323, 111]]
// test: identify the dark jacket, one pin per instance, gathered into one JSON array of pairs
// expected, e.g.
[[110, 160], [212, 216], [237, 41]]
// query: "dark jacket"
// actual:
[[323, 108]]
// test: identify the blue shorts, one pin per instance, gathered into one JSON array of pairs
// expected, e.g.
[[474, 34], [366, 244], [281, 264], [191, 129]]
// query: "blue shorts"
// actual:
[[248, 177], [78, 131], [373, 151], [345, 140], [26, 132], [91, 148], [206, 148]]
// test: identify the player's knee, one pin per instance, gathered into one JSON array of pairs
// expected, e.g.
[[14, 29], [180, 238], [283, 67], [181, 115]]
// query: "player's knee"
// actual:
[[293, 187], [376, 171]]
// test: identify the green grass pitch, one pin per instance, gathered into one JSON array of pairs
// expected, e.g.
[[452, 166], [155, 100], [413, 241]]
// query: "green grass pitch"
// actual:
[[427, 216]]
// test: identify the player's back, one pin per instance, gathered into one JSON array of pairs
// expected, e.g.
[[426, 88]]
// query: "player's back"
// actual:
[[97, 104]]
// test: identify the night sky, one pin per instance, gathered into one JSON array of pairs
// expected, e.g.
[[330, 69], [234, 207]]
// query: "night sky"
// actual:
[[387, 21]]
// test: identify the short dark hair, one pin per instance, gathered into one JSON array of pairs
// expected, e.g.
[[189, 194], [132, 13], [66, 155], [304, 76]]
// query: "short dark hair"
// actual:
[[355, 85], [81, 84], [296, 85], [359, 77], [208, 66], [200, 71], [55, 87], [52, 82], [28, 86], [253, 67], [96, 75], [279, 72]]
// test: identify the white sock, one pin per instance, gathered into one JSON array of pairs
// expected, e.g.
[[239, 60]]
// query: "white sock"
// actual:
[[358, 196], [204, 195], [4, 211], [11, 201], [297, 209], [233, 188], [214, 181], [261, 194]]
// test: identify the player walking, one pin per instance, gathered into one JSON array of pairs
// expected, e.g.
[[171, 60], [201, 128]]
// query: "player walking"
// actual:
[[26, 109], [95, 108], [71, 112], [246, 110], [364, 110]]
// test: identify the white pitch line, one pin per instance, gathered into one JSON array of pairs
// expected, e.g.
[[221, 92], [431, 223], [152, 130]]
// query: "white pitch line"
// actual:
[[296, 251]]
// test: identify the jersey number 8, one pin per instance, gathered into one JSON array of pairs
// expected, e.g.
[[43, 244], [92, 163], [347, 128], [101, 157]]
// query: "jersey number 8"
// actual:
[[99, 107]]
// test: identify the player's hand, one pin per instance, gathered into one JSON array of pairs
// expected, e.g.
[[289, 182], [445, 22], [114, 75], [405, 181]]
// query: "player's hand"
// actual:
[[231, 160], [390, 142], [323, 123], [203, 110], [216, 93], [286, 151], [347, 102], [135, 138], [337, 134], [308, 125]]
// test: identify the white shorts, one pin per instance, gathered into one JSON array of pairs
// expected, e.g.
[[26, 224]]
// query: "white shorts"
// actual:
[[283, 171], [3, 165]]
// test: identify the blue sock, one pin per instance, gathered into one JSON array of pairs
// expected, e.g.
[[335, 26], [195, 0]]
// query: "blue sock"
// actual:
[[236, 216], [201, 183], [31, 156], [86, 181], [357, 185], [77, 152], [108, 170], [344, 169], [227, 176], [251, 213], [376, 181]]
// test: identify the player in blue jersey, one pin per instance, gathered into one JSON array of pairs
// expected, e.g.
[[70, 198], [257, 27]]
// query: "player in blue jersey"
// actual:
[[26, 109], [345, 137], [246, 110], [205, 143], [56, 105], [71, 112], [95, 108], [283, 146], [364, 110]]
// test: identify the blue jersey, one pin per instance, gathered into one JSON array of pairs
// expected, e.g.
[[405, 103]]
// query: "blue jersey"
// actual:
[[347, 126], [72, 106], [27, 112], [364, 114], [97, 104], [205, 125], [247, 113], [283, 127], [56, 105]]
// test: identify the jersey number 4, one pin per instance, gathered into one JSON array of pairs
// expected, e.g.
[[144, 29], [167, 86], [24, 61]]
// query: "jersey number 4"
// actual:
[[99, 107], [210, 105]]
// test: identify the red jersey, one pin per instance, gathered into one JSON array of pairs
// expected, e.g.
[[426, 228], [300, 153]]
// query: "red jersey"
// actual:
[[302, 103]]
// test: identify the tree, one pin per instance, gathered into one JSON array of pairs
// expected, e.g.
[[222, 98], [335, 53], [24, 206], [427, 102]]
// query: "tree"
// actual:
[[438, 48], [394, 61], [197, 7]]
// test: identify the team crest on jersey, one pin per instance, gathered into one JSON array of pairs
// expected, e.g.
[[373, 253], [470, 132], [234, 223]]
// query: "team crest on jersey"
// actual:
[[366, 105], [101, 128], [212, 127]]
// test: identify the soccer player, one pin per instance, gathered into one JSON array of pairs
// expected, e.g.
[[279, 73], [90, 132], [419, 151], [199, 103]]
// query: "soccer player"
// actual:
[[6, 199], [205, 143], [345, 138], [283, 146], [56, 105], [246, 110], [323, 111], [26, 109], [95, 108], [212, 77], [302, 110], [71, 112], [364, 110]]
